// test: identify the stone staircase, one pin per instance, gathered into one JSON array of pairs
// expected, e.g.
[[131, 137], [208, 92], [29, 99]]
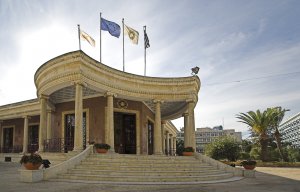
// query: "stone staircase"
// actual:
[[116, 168]]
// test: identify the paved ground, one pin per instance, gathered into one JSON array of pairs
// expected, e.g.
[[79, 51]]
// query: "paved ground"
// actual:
[[267, 179]]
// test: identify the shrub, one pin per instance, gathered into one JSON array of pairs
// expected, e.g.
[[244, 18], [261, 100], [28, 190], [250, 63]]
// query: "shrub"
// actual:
[[248, 162], [179, 146], [223, 148], [188, 149], [102, 146], [33, 158], [244, 155], [255, 153]]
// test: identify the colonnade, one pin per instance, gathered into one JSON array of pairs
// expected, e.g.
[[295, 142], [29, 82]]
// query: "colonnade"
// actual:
[[164, 142]]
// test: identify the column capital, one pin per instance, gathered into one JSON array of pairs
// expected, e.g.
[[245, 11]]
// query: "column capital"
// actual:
[[163, 122], [108, 93], [185, 115], [26, 117], [81, 83], [42, 96], [158, 101]]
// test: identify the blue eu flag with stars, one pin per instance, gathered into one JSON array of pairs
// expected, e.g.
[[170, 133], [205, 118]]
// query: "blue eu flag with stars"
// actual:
[[112, 27]]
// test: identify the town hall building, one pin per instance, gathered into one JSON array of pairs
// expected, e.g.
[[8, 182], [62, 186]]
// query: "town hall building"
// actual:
[[81, 101]]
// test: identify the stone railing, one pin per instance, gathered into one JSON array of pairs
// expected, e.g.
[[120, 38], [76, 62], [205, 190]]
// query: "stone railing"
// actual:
[[235, 170], [52, 172]]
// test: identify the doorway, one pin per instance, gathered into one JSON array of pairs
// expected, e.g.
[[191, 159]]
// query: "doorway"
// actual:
[[33, 138], [70, 131], [125, 133], [150, 137], [8, 134]]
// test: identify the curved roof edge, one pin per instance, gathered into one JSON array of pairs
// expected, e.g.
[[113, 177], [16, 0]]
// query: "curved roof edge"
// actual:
[[110, 68]]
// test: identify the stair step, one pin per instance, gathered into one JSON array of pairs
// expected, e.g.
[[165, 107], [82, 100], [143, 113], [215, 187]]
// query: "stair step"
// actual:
[[143, 173], [145, 178], [162, 164], [143, 168]]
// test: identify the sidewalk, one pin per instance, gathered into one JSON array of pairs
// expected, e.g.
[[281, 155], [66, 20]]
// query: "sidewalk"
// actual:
[[273, 179]]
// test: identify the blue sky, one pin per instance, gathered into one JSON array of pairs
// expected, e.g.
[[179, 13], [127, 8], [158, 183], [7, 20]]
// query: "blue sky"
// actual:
[[234, 43]]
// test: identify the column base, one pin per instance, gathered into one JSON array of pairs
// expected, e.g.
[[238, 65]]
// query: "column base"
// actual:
[[40, 150], [111, 151]]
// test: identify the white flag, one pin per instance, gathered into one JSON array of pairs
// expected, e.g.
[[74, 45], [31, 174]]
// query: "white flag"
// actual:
[[132, 34], [88, 38]]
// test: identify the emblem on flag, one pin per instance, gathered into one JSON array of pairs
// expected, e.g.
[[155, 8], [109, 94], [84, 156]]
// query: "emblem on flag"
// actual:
[[132, 34]]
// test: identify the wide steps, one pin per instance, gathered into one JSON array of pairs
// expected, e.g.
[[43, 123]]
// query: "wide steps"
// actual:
[[143, 173], [144, 167], [155, 178], [134, 168]]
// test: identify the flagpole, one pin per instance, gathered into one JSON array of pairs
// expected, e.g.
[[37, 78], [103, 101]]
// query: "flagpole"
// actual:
[[79, 36], [100, 36], [123, 47], [145, 51]]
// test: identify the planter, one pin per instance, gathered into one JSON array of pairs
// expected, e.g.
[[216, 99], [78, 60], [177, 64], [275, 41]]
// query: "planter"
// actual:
[[187, 153], [31, 166], [249, 167], [101, 150]]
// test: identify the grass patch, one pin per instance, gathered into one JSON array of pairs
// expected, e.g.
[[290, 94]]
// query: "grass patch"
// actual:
[[277, 164], [265, 164]]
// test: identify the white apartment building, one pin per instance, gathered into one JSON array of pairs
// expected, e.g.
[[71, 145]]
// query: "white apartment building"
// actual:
[[206, 135], [290, 130]]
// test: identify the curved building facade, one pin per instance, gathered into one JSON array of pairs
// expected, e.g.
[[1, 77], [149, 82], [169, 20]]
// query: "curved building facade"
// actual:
[[80, 101]]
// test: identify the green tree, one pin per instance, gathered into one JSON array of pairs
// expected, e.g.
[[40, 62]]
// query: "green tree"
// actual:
[[179, 146], [277, 114], [259, 123], [223, 148], [246, 147], [293, 154], [255, 153]]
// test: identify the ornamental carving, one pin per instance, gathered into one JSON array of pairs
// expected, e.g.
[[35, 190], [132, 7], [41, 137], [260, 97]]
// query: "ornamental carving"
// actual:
[[122, 104]]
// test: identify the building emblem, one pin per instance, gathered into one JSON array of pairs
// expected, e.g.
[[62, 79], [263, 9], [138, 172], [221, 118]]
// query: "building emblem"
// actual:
[[122, 104]]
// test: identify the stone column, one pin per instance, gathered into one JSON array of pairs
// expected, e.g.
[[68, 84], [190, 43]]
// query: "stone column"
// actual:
[[167, 143], [78, 139], [49, 128], [186, 130], [43, 122], [110, 121], [25, 136], [163, 124], [157, 129], [172, 145], [191, 106]]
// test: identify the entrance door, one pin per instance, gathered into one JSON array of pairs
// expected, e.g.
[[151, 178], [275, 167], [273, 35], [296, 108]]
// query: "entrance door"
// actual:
[[125, 133], [8, 134], [70, 131], [150, 137], [33, 138]]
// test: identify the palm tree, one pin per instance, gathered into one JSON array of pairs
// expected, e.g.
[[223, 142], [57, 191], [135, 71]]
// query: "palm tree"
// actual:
[[277, 114], [259, 123]]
